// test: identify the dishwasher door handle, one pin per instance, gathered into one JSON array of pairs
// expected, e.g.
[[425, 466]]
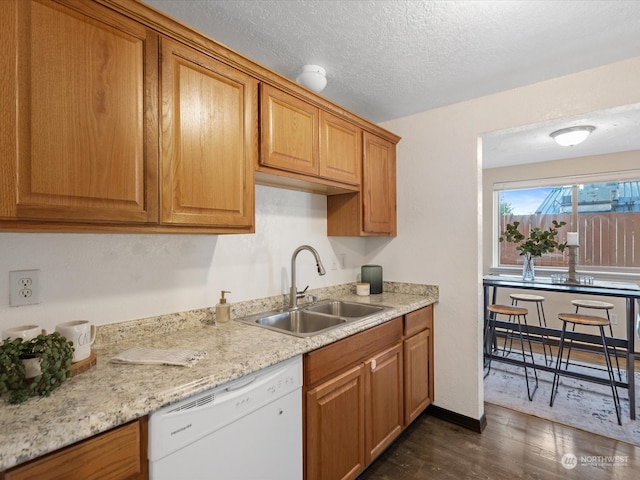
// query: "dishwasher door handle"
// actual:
[[240, 386]]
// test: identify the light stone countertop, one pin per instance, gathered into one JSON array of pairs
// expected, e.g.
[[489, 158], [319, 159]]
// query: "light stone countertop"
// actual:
[[110, 395]]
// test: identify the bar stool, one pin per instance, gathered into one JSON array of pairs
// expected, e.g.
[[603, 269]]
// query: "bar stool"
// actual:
[[596, 305], [520, 315], [586, 320], [542, 320]]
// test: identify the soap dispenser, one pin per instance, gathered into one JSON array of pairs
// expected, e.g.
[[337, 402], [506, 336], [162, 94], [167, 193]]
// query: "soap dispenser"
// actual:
[[223, 309]]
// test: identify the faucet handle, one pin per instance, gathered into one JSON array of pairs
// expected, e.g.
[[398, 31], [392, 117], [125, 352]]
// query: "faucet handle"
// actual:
[[302, 293]]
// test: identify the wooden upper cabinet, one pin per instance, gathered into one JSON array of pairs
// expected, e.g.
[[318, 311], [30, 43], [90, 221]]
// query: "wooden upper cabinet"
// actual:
[[289, 132], [340, 149], [209, 140], [379, 185], [303, 142], [372, 211], [81, 145]]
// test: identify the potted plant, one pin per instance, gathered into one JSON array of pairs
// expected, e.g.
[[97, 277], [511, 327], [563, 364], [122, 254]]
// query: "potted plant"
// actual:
[[536, 244], [34, 367]]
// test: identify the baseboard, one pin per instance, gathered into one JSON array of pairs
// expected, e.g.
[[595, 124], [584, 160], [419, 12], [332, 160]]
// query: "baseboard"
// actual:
[[473, 424]]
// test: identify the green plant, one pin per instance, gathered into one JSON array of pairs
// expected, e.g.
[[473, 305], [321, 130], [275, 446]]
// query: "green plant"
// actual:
[[539, 241], [54, 352]]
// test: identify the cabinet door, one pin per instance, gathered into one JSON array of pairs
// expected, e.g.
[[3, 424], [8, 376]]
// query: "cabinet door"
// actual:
[[335, 444], [80, 115], [289, 132], [119, 454], [209, 140], [383, 405], [372, 211], [340, 149], [417, 375], [379, 185]]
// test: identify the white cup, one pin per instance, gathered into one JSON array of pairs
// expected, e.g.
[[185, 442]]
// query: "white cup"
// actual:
[[26, 332], [363, 289], [82, 333]]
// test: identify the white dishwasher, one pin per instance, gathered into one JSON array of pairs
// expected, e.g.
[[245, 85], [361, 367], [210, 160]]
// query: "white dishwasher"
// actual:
[[246, 429]]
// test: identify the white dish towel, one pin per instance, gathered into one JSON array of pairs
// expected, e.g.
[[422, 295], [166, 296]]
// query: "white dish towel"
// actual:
[[157, 356]]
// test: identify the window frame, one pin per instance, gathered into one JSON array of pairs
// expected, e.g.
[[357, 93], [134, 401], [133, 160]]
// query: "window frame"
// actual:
[[621, 273]]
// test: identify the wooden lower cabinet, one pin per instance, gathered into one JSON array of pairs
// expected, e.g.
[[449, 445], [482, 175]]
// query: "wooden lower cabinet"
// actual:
[[335, 441], [418, 362], [118, 454], [353, 401], [361, 392], [383, 402]]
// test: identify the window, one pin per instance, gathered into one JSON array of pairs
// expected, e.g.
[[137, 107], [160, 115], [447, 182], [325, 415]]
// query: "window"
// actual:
[[606, 209]]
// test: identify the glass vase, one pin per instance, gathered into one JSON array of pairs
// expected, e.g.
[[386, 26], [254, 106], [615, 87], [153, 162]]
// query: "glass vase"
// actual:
[[528, 268]]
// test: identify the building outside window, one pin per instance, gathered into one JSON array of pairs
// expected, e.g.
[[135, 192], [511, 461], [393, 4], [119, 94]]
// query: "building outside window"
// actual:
[[607, 214]]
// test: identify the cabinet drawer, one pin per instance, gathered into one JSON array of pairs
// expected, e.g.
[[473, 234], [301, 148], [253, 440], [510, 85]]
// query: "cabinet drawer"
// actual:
[[415, 322], [329, 360], [119, 454]]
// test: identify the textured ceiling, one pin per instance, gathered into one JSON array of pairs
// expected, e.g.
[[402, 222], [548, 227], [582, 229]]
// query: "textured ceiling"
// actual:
[[390, 58]]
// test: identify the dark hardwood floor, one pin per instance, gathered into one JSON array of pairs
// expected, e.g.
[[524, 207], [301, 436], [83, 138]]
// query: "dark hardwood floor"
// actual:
[[512, 446]]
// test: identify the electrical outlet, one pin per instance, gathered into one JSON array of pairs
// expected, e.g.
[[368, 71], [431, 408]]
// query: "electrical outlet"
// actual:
[[343, 260], [24, 287], [614, 319]]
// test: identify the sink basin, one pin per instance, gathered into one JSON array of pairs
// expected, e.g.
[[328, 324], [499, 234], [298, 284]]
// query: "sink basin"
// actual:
[[313, 319], [301, 323], [345, 309]]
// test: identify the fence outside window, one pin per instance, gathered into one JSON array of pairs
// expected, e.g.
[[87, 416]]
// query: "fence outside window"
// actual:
[[607, 239]]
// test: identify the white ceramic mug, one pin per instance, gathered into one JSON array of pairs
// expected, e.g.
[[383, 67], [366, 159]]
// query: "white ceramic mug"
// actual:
[[26, 332], [82, 333], [363, 289]]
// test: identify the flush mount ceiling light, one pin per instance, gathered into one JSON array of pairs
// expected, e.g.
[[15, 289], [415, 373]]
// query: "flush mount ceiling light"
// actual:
[[313, 77], [568, 137]]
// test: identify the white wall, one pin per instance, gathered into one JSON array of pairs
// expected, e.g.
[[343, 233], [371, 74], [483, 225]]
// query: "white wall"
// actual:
[[440, 221], [109, 278]]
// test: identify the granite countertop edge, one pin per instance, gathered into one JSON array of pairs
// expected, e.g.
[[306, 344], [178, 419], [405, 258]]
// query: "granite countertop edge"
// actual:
[[110, 395]]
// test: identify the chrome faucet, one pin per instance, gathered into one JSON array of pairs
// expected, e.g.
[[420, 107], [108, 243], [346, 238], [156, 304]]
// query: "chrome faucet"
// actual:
[[294, 294]]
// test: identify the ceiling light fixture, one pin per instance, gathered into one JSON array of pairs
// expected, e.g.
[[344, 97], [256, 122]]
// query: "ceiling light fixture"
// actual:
[[568, 137], [313, 77]]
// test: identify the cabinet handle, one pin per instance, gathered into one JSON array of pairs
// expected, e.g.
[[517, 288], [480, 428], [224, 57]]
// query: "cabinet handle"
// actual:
[[373, 364]]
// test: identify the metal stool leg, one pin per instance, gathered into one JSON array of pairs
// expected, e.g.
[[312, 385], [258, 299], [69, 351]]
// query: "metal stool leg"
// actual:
[[614, 348], [530, 393], [612, 381], [489, 341], [573, 329], [556, 374], [566, 365], [542, 320]]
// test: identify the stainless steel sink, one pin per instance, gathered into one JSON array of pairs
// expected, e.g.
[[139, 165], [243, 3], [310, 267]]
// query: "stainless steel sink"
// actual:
[[302, 323], [313, 319], [345, 309]]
